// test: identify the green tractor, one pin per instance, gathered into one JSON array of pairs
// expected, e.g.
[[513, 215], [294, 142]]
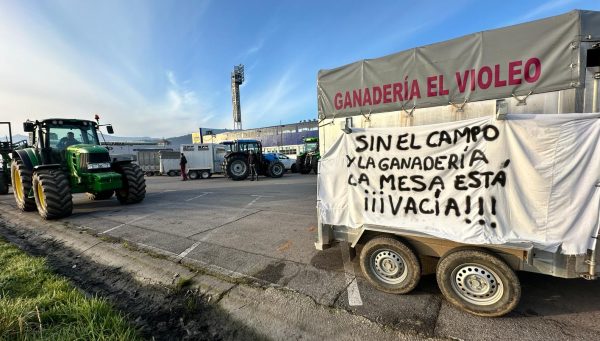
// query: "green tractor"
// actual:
[[309, 159], [65, 158], [6, 148]]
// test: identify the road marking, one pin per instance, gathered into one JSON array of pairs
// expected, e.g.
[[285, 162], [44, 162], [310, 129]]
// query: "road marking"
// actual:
[[127, 223], [198, 196], [354, 298], [189, 249], [255, 200]]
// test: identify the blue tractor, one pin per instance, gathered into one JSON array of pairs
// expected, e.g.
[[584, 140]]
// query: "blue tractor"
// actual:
[[236, 165]]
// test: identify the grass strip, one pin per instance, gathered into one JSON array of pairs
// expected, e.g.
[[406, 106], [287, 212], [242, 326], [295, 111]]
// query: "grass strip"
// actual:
[[36, 304]]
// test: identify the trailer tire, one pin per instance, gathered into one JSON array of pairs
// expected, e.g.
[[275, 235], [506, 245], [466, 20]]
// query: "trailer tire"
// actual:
[[104, 195], [390, 265], [171, 173], [478, 282], [276, 169], [3, 184], [22, 184], [134, 184], [204, 174], [52, 192], [193, 175], [237, 168]]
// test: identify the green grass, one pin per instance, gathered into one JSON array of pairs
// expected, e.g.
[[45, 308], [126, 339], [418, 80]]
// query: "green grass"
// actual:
[[36, 304]]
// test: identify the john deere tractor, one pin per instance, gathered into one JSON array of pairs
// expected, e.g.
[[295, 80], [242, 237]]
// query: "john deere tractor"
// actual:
[[236, 165], [65, 158], [309, 159]]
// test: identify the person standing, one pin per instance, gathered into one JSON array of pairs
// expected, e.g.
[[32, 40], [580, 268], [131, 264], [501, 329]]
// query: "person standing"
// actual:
[[252, 164], [182, 164]]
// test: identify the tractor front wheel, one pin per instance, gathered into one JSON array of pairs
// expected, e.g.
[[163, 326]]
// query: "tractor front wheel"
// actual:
[[52, 192], [134, 184], [276, 169], [21, 183]]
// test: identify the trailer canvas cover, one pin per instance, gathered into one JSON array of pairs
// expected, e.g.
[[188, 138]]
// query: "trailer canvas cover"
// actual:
[[535, 57], [529, 178]]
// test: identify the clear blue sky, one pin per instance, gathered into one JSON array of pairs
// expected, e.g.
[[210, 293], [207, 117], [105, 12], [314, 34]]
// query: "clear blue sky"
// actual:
[[162, 68]]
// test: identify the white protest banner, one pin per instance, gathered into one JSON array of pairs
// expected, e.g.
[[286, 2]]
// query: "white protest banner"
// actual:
[[529, 178]]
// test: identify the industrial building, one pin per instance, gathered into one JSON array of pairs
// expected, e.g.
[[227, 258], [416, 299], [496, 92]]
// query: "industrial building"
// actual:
[[285, 138]]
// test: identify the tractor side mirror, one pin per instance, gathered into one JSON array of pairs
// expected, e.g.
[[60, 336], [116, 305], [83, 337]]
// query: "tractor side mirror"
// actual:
[[28, 127], [109, 129]]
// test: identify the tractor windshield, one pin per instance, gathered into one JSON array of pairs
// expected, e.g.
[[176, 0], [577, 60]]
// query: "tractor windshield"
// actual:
[[64, 135], [310, 146]]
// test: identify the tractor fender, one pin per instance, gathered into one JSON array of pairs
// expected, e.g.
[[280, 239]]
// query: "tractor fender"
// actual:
[[29, 157]]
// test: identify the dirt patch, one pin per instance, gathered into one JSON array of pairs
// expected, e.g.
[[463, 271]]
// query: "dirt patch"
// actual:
[[160, 313]]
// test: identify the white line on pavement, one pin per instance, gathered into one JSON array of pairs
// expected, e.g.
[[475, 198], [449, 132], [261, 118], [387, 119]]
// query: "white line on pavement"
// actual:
[[198, 196], [189, 249], [127, 223], [354, 298]]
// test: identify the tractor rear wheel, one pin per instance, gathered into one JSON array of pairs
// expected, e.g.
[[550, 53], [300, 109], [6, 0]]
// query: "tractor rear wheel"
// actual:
[[237, 168], [276, 169], [314, 163], [301, 166], [21, 183], [134, 184], [52, 192], [3, 183], [104, 195]]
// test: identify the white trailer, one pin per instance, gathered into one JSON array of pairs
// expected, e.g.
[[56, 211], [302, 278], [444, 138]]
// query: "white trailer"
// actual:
[[517, 81], [148, 160], [169, 163], [203, 159]]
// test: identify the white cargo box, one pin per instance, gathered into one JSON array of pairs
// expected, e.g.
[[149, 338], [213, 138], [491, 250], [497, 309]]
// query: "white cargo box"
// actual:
[[203, 159]]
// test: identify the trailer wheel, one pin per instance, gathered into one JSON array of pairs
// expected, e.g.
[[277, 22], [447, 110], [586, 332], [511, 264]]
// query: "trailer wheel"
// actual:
[[193, 175], [52, 192], [171, 173], [134, 184], [3, 183], [276, 169], [104, 195], [237, 168], [390, 265], [149, 173], [204, 174], [478, 282], [21, 184]]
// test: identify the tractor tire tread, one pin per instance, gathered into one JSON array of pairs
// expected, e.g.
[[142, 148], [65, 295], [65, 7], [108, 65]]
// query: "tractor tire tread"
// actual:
[[57, 193]]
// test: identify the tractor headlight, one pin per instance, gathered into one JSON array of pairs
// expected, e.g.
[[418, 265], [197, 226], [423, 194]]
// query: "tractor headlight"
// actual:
[[100, 165]]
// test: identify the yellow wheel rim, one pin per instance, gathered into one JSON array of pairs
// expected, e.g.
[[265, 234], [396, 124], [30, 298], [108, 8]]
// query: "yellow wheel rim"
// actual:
[[41, 195], [18, 185]]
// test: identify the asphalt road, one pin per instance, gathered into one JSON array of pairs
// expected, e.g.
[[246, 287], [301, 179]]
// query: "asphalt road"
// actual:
[[266, 230]]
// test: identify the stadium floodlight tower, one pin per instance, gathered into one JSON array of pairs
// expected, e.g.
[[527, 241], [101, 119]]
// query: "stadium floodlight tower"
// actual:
[[237, 78]]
